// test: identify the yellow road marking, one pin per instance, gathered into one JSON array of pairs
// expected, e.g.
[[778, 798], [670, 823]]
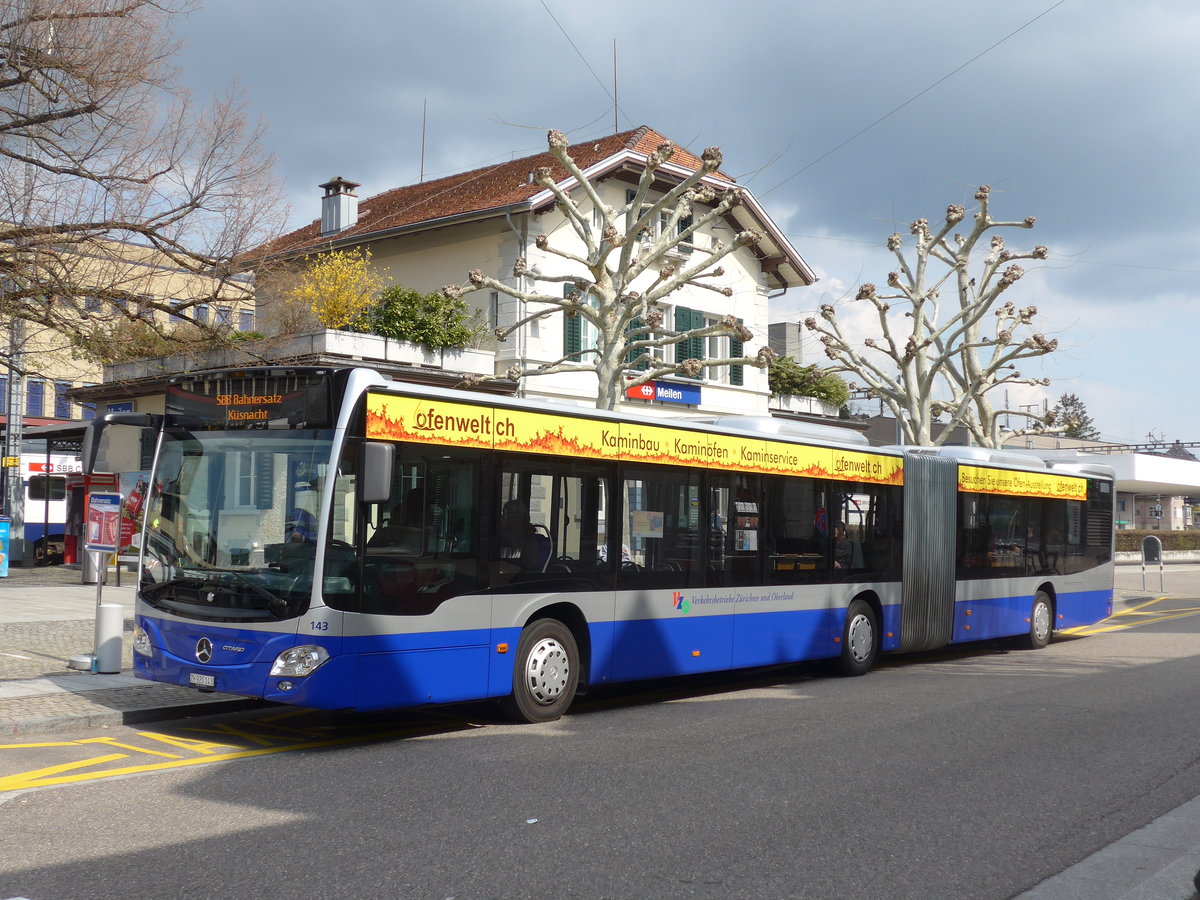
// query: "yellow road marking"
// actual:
[[48, 778], [27, 779], [69, 773], [1138, 615], [225, 730], [113, 742]]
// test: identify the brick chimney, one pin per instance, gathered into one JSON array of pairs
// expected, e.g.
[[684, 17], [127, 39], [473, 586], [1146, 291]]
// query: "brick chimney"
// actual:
[[339, 206]]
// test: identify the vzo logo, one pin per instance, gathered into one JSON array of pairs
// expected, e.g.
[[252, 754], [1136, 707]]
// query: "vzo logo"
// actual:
[[678, 601]]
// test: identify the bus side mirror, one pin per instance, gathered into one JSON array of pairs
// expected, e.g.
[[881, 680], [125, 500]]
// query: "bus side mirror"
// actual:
[[108, 449], [375, 471]]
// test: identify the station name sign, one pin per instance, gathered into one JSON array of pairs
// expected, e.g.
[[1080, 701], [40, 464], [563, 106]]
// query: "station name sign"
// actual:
[[666, 392]]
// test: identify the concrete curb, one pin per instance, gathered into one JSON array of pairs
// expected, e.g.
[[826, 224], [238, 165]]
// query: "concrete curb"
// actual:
[[63, 724]]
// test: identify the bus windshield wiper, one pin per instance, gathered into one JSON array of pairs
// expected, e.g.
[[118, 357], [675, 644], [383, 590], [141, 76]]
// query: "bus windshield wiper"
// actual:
[[201, 580], [275, 604]]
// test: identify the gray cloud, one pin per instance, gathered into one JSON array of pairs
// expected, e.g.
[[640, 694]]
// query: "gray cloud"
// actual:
[[1085, 119]]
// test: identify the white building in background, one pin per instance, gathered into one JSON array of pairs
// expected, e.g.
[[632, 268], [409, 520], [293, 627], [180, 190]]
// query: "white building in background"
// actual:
[[426, 235]]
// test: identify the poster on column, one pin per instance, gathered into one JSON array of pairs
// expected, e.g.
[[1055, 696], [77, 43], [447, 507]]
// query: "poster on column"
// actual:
[[103, 526], [133, 487]]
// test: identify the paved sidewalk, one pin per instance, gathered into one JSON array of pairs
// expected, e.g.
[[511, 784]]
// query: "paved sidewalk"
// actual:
[[48, 616]]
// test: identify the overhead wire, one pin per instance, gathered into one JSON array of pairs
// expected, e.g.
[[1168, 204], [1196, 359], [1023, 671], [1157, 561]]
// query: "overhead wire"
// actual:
[[583, 59], [911, 99]]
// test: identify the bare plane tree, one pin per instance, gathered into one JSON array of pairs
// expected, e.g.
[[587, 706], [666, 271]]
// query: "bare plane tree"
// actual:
[[118, 197], [630, 242], [945, 358]]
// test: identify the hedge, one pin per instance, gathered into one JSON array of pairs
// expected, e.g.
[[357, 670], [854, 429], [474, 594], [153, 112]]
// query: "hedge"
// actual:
[[1171, 540]]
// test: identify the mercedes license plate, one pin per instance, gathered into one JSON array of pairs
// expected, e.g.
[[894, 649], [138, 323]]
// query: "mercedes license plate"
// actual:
[[197, 680]]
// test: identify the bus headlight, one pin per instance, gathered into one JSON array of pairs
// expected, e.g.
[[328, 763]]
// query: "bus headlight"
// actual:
[[141, 642], [300, 661]]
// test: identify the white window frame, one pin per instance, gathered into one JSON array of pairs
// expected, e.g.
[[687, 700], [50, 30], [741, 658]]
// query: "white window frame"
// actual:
[[716, 346], [244, 481]]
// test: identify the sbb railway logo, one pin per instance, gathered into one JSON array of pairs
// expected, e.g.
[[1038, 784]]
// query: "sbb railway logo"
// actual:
[[678, 601], [647, 391]]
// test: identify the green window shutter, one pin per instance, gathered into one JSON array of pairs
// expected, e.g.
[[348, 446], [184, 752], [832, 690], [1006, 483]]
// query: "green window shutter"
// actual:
[[692, 348], [736, 348], [683, 318], [572, 327], [696, 344]]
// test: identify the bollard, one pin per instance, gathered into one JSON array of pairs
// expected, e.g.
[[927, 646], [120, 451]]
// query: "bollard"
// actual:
[[110, 625]]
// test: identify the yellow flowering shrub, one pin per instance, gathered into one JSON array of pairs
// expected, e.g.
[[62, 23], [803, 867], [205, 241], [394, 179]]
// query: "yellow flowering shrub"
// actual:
[[338, 286]]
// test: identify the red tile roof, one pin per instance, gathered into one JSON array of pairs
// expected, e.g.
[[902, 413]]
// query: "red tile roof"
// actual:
[[492, 187]]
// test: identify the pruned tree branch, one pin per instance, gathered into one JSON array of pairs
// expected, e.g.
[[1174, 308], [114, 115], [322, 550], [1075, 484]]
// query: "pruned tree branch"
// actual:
[[930, 361], [636, 256]]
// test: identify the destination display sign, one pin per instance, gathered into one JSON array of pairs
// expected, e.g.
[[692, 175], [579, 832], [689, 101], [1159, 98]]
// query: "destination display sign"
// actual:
[[232, 400], [396, 418], [976, 479]]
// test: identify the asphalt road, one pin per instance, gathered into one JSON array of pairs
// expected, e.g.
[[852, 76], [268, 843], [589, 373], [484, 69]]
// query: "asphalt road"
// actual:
[[962, 774]]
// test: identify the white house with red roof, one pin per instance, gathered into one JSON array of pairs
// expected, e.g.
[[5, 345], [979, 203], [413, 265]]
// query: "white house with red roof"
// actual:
[[431, 234]]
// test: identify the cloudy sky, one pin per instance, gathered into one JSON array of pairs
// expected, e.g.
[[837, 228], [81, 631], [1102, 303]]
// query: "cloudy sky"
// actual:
[[847, 121]]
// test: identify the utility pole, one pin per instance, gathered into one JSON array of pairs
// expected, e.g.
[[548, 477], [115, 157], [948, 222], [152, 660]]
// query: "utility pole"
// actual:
[[14, 488]]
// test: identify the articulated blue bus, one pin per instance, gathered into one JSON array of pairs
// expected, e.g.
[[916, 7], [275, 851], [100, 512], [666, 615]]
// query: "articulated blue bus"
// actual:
[[335, 539]]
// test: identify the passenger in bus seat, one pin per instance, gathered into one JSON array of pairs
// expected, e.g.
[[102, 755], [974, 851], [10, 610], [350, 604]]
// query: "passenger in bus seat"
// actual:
[[520, 540], [842, 548]]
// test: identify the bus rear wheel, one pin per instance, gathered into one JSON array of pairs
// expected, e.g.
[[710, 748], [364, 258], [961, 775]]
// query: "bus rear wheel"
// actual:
[[1041, 622], [860, 639], [546, 673]]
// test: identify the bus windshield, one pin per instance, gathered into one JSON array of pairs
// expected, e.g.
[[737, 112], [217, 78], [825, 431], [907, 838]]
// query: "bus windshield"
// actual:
[[232, 523]]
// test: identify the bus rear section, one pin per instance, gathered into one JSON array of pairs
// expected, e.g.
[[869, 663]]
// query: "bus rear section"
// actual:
[[1003, 544]]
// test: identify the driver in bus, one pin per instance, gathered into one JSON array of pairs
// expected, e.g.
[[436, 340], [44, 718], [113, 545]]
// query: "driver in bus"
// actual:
[[298, 551]]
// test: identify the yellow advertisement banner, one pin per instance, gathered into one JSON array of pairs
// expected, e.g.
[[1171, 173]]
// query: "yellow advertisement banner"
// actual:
[[975, 479], [463, 425], [530, 432], [423, 421]]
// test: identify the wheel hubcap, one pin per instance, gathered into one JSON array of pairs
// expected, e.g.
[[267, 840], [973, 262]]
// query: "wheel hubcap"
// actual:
[[547, 671], [861, 638], [1041, 621]]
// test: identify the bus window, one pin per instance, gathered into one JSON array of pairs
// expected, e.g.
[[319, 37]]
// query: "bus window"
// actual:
[[419, 548], [661, 527], [797, 539], [551, 525], [866, 528], [734, 526]]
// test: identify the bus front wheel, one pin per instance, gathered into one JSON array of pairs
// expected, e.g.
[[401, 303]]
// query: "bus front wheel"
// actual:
[[860, 639], [546, 673], [1041, 622]]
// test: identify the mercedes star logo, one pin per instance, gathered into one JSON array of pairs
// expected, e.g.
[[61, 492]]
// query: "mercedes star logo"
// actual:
[[204, 650]]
